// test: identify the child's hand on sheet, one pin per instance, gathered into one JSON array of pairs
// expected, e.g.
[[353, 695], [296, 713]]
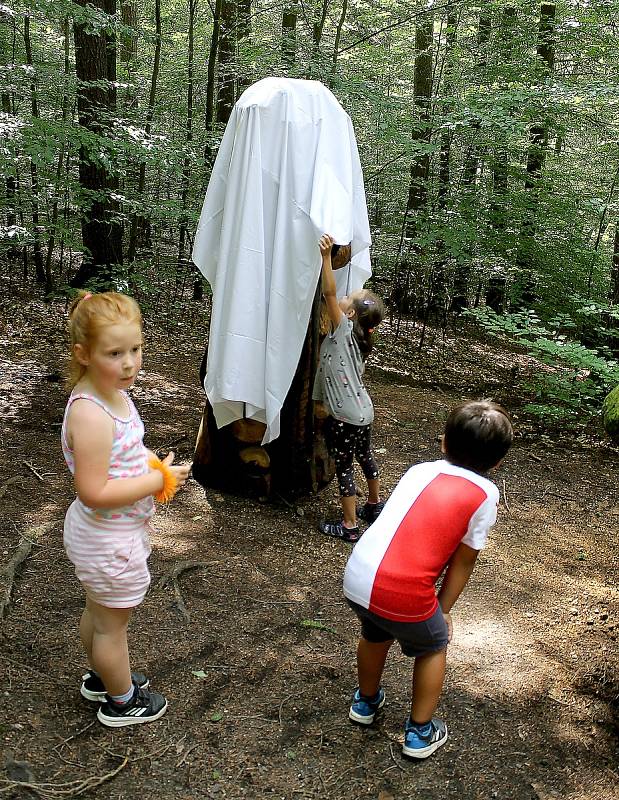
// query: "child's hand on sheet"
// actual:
[[326, 243]]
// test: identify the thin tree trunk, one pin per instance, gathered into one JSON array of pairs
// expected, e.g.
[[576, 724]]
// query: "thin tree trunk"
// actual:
[[419, 171], [613, 294], [7, 32], [538, 143], [319, 24], [183, 222], [138, 220], [601, 228], [209, 111], [448, 88], [289, 33], [338, 34], [34, 174], [418, 188], [59, 166], [496, 289]]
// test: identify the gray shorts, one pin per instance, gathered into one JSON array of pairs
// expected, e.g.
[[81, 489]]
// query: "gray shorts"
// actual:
[[415, 638]]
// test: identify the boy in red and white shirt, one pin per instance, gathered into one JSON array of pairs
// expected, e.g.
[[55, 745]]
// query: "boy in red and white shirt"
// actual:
[[438, 517]]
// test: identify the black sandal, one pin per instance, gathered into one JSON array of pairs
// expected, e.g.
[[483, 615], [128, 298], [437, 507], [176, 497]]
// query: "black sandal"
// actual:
[[339, 531]]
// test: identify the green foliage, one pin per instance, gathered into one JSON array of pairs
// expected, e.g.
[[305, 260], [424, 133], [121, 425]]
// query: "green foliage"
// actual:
[[571, 379], [479, 223], [610, 414]]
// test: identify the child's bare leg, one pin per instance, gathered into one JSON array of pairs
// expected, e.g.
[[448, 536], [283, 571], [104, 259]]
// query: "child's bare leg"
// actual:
[[373, 490], [86, 632], [371, 657], [349, 509], [110, 652], [428, 677]]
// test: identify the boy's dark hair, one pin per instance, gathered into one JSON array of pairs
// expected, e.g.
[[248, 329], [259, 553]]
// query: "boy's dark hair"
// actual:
[[477, 435], [369, 313]]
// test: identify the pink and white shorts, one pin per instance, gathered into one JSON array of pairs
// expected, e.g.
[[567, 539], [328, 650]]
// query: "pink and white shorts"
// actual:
[[109, 557]]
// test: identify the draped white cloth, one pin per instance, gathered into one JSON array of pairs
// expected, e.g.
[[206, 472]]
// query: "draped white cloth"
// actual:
[[287, 171]]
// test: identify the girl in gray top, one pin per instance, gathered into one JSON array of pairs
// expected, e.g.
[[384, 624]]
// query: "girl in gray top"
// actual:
[[339, 386]]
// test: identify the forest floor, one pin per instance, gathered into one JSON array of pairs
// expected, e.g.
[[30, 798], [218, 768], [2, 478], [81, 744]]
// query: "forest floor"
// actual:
[[260, 676]]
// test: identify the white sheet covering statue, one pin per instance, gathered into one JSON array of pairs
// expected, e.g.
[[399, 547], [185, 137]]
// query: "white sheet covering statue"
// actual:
[[287, 170]]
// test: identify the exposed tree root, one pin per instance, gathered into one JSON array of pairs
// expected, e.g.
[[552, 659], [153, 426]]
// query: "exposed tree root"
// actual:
[[70, 789], [9, 571], [171, 579]]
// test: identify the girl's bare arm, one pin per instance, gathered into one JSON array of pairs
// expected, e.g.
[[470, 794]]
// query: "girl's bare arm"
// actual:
[[328, 281], [91, 433]]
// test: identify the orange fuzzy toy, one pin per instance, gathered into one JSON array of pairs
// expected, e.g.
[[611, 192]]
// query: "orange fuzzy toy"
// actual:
[[170, 484]]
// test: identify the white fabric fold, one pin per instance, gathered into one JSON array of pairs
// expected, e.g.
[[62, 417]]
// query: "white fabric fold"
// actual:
[[286, 172]]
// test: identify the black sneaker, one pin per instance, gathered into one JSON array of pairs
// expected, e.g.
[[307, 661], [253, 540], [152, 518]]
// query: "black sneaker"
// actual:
[[144, 706], [92, 687], [370, 512], [340, 531]]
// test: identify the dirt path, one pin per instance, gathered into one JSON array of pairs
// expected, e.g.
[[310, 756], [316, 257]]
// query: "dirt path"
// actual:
[[259, 678]]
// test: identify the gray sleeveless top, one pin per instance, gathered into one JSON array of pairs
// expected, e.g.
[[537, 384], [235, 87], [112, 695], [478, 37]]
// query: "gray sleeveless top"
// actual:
[[338, 383]]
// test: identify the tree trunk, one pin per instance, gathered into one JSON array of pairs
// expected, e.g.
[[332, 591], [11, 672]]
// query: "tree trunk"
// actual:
[[95, 66], [496, 293], [62, 152], [183, 221], [226, 93], [338, 34], [209, 109], [243, 28], [289, 33], [34, 174], [138, 220], [320, 15], [538, 143], [7, 31], [613, 294], [129, 37], [420, 167]]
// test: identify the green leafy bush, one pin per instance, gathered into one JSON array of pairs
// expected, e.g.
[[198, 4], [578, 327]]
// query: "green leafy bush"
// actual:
[[572, 380]]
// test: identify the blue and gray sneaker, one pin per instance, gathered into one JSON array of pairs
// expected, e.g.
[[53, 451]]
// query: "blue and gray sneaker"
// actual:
[[363, 709], [420, 741]]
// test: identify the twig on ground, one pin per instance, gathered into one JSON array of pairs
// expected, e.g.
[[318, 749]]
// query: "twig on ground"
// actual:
[[75, 735], [48, 791], [152, 754], [181, 760], [8, 573], [9, 482], [33, 470], [505, 497], [393, 758]]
